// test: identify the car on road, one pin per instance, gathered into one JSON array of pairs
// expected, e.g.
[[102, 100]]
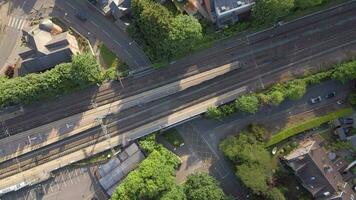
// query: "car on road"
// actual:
[[315, 100], [330, 95], [81, 16]]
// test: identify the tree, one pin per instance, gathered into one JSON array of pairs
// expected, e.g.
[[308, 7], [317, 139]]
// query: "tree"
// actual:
[[274, 194], [254, 177], [162, 34], [214, 113], [153, 178], [176, 193], [345, 72], [352, 99], [267, 11], [303, 4], [295, 89], [201, 186], [276, 97], [247, 103]]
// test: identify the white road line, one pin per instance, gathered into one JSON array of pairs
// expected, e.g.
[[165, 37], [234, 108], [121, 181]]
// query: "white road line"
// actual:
[[106, 33], [94, 24], [13, 22], [20, 24], [117, 43], [17, 23], [136, 62], [10, 21], [24, 2], [70, 5]]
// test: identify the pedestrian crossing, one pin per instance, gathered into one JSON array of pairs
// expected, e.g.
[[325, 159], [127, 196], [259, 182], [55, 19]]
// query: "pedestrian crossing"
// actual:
[[17, 23]]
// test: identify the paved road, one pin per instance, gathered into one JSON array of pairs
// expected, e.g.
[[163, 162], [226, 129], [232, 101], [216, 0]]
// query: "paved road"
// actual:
[[202, 136], [99, 27]]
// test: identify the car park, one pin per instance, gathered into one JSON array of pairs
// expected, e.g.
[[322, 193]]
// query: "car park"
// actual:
[[315, 100]]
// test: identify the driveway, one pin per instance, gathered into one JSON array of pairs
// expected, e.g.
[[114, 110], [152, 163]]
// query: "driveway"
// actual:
[[202, 136]]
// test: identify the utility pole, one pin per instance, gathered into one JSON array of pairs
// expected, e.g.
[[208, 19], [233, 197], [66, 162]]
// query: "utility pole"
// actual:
[[105, 131]]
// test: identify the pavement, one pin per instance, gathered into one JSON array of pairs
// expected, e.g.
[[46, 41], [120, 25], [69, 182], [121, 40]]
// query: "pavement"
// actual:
[[202, 136], [98, 27], [67, 183]]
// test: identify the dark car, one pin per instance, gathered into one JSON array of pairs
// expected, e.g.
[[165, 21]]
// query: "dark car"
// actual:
[[315, 100], [345, 120], [81, 16], [330, 95]]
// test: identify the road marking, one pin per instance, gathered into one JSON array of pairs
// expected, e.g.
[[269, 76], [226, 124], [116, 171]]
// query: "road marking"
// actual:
[[128, 53], [96, 25], [70, 5], [10, 22], [117, 43], [106, 33], [24, 2]]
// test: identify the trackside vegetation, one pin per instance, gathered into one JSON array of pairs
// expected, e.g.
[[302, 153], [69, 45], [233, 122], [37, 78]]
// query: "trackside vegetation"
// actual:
[[276, 94], [314, 122], [167, 34], [155, 179], [64, 78]]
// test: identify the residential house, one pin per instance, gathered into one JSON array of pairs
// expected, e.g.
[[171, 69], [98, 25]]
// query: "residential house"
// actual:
[[45, 46], [317, 173]]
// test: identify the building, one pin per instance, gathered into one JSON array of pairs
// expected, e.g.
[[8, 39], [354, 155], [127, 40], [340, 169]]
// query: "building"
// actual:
[[229, 11], [117, 8], [45, 46], [111, 173], [317, 173]]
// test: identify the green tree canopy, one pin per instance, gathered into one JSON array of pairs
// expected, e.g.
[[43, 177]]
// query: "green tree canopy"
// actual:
[[267, 11], [247, 103], [201, 186], [295, 89], [303, 4], [345, 71], [152, 179]]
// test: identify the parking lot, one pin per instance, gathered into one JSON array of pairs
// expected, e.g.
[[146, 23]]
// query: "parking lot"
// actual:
[[67, 184]]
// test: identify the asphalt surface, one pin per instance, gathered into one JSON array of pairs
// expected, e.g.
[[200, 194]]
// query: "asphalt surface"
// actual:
[[261, 66], [99, 27], [203, 136], [258, 53]]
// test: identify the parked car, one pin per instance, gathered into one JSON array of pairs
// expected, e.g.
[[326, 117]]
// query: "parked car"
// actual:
[[315, 100], [346, 120], [81, 16], [330, 95]]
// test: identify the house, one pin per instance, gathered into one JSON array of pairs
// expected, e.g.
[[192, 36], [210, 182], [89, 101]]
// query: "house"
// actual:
[[317, 173], [45, 46], [229, 11], [117, 8], [111, 173]]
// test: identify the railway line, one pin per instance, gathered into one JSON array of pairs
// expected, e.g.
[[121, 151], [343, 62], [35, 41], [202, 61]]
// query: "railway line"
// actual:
[[40, 114], [320, 46]]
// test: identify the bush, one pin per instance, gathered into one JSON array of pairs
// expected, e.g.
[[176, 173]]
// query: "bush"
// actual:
[[152, 179], [214, 113], [345, 71], [64, 78], [267, 11], [352, 99], [295, 89], [247, 103], [201, 186]]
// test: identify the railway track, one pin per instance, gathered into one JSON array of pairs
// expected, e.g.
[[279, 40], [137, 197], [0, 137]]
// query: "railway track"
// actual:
[[40, 114], [133, 117]]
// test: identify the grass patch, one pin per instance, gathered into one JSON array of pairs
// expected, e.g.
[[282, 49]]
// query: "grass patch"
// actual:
[[114, 67], [98, 158], [286, 133], [173, 137]]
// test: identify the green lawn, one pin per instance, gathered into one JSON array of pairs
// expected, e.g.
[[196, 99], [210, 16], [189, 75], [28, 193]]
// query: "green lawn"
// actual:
[[108, 56], [173, 137], [114, 67], [289, 132]]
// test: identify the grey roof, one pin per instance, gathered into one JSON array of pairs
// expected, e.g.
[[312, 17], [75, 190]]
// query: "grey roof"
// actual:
[[45, 50], [112, 172], [341, 133], [226, 7], [317, 173]]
